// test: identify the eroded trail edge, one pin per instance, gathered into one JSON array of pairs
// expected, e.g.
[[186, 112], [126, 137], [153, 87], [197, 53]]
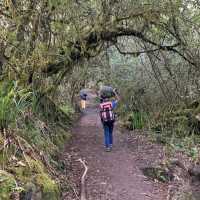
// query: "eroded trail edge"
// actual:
[[112, 175]]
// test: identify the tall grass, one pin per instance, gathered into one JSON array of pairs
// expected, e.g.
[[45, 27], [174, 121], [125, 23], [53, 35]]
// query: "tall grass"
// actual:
[[138, 120], [13, 103], [7, 108]]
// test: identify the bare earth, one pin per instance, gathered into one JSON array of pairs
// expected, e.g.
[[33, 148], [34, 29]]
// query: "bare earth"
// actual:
[[112, 175]]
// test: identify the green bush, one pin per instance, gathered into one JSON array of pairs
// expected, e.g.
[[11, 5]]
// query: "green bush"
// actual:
[[40, 125]]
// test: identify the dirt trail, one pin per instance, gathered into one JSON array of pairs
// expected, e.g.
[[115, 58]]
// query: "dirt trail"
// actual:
[[114, 175]]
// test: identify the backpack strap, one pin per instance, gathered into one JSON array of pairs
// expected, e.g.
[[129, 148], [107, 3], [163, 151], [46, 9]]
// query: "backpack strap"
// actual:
[[105, 105]]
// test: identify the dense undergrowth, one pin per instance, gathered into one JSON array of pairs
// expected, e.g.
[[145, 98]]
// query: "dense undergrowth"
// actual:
[[33, 130], [177, 127]]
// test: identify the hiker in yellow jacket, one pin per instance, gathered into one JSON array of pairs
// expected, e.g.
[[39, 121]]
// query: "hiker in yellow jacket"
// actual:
[[83, 101]]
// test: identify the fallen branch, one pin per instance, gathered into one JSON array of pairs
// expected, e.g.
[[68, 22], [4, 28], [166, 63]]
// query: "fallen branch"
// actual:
[[83, 189], [23, 152]]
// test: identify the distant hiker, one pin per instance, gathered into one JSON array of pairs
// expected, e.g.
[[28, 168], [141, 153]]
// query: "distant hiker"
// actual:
[[108, 117], [83, 100]]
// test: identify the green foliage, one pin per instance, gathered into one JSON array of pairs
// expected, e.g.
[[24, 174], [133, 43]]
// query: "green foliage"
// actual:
[[21, 115], [7, 109], [8, 185], [49, 187], [13, 103], [34, 174]]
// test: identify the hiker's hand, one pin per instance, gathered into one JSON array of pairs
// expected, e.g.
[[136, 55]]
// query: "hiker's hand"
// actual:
[[115, 90], [116, 94]]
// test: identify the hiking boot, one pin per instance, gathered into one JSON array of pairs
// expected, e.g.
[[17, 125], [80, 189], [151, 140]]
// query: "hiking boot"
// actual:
[[108, 149]]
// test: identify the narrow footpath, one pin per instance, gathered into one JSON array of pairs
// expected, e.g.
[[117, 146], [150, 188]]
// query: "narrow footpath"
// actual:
[[114, 175]]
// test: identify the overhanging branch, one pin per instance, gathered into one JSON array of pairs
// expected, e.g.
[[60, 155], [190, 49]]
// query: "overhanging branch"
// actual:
[[95, 38], [136, 53], [121, 32]]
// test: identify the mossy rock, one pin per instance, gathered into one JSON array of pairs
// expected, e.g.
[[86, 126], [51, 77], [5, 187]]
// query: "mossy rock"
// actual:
[[7, 185], [31, 192], [36, 181], [50, 189]]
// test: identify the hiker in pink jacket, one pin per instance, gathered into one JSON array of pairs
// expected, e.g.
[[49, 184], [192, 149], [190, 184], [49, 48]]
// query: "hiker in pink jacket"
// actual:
[[108, 118]]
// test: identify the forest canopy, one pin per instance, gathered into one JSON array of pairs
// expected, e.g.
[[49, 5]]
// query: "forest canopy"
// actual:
[[48, 38]]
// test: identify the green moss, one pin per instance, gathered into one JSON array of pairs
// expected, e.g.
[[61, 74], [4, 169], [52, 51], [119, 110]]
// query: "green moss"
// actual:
[[32, 174], [50, 189], [7, 185], [61, 138], [25, 174], [43, 142], [35, 174]]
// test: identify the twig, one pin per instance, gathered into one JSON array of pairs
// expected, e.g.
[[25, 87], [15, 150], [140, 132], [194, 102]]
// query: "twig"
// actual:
[[75, 192], [147, 195], [83, 189], [23, 153], [6, 143]]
